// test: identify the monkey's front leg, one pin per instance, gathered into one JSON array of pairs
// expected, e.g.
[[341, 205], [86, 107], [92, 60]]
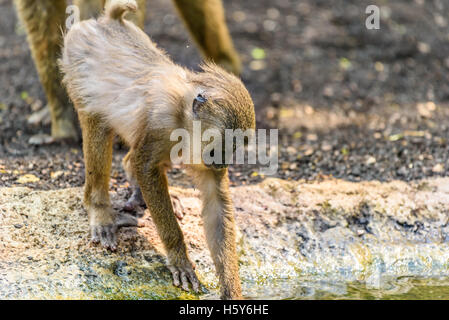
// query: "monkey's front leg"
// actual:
[[219, 226], [153, 184]]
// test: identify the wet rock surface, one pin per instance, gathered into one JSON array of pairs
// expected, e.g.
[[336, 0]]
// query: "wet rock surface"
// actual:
[[296, 240]]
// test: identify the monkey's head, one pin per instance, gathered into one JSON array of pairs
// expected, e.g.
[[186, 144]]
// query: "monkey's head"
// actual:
[[222, 103]]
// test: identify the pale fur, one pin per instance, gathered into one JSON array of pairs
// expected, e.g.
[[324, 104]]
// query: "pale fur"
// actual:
[[119, 80], [124, 83], [115, 9], [113, 80]]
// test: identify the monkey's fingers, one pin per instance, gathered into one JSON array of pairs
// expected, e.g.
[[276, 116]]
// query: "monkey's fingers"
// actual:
[[175, 273], [95, 237], [194, 280], [41, 116], [106, 235], [183, 276], [40, 139]]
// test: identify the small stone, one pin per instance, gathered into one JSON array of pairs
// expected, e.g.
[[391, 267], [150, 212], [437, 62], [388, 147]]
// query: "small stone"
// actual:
[[291, 150], [308, 152], [326, 146], [27, 178], [269, 25], [438, 168], [55, 175], [370, 160], [379, 66], [273, 13], [239, 16], [423, 47], [257, 65], [292, 21]]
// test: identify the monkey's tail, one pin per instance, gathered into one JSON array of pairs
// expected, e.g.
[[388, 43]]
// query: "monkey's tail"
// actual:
[[115, 9]]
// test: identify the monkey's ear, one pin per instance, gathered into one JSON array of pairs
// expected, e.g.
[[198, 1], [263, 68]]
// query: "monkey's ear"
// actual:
[[198, 102]]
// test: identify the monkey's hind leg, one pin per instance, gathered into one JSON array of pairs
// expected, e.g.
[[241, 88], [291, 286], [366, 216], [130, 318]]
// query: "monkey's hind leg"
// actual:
[[43, 20], [97, 148], [136, 200]]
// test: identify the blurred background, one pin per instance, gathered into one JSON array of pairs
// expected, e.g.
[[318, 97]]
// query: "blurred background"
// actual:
[[350, 103]]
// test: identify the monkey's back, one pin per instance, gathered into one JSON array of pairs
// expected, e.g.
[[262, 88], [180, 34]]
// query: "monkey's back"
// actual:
[[108, 68]]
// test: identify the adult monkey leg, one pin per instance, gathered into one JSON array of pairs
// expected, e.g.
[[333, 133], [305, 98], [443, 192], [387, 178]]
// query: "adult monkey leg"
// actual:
[[93, 8], [89, 8], [43, 21], [206, 21]]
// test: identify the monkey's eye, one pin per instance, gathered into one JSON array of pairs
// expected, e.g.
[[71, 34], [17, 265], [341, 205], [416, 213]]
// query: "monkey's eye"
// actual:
[[198, 102]]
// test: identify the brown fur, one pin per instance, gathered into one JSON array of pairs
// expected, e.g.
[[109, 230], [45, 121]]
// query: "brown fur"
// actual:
[[43, 20], [121, 82], [205, 20]]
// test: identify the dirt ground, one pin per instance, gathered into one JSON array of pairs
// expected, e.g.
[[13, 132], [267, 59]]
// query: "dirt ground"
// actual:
[[351, 103]]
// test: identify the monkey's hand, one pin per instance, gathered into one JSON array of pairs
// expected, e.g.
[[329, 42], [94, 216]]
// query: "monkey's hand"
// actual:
[[105, 224], [183, 271]]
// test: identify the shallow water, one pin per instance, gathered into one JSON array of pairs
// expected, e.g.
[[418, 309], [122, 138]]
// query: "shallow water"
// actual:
[[403, 288]]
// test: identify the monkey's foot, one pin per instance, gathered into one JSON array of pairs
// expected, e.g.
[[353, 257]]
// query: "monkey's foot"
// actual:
[[40, 139], [135, 201], [106, 235], [68, 133], [64, 129], [184, 275], [41, 116]]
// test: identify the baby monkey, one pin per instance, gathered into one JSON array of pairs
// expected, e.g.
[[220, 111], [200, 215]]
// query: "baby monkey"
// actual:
[[121, 83]]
